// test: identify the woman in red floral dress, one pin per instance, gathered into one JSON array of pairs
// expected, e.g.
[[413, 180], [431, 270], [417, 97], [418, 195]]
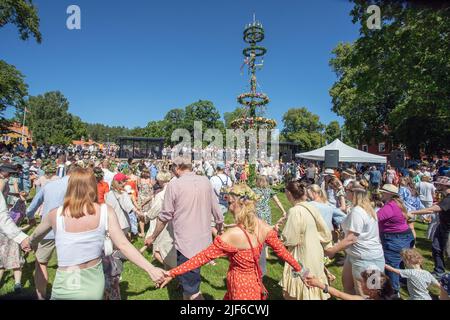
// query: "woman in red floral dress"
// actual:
[[243, 245]]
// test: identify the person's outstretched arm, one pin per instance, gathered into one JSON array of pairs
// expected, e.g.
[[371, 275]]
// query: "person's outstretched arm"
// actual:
[[121, 242], [315, 282], [280, 250], [205, 256]]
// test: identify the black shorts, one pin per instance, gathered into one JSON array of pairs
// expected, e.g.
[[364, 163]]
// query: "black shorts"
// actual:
[[190, 281]]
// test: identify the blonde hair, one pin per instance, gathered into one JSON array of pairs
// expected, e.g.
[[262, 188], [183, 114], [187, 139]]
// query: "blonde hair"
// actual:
[[81, 193], [247, 216], [411, 257], [361, 199], [117, 186], [262, 182], [163, 176], [318, 190]]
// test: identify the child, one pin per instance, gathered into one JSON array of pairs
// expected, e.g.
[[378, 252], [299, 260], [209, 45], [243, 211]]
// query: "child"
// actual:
[[418, 280]]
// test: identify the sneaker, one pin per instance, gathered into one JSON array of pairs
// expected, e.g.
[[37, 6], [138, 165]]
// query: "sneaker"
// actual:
[[17, 288]]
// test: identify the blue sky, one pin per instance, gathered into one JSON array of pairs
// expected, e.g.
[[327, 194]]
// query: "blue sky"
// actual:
[[134, 60]]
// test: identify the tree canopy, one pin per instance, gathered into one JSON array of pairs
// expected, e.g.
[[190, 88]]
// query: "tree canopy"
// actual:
[[303, 127], [395, 80], [24, 15]]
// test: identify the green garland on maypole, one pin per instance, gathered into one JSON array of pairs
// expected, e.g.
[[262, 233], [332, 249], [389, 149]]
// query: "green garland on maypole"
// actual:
[[253, 101]]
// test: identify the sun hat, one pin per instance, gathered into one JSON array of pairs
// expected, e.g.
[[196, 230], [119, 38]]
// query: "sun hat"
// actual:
[[443, 181], [389, 188], [8, 167], [349, 172], [329, 172], [356, 186]]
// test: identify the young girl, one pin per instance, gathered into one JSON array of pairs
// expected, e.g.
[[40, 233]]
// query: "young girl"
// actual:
[[418, 280]]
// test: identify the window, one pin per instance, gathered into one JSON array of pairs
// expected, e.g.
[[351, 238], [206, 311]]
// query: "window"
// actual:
[[381, 147], [365, 148]]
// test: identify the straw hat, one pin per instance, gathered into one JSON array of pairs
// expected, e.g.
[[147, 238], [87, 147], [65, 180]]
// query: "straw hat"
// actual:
[[443, 181], [389, 188]]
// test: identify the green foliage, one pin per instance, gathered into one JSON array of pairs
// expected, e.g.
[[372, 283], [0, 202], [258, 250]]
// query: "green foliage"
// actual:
[[13, 89], [396, 78], [50, 121], [303, 127], [202, 110], [333, 131], [229, 117], [23, 14]]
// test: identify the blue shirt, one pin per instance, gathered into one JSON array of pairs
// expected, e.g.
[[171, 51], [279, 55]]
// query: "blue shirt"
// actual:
[[330, 214], [153, 172], [51, 196], [375, 176]]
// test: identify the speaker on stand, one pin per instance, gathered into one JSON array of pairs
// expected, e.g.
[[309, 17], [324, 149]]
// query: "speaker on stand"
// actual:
[[331, 159]]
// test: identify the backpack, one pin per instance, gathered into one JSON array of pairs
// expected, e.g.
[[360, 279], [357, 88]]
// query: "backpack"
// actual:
[[222, 194]]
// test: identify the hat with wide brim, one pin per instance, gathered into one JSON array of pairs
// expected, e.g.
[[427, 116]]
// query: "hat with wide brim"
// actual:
[[389, 188], [349, 172], [7, 167], [445, 181], [328, 172]]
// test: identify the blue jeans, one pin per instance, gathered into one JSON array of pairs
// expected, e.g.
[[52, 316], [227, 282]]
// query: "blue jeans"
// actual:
[[393, 244], [438, 247], [191, 280]]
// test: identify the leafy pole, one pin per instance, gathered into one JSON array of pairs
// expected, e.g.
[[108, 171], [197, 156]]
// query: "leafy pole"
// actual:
[[253, 101]]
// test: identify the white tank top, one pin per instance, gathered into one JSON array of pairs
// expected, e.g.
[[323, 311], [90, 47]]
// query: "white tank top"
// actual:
[[74, 248]]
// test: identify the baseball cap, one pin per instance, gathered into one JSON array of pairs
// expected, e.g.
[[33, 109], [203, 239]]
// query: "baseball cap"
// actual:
[[220, 166], [120, 177]]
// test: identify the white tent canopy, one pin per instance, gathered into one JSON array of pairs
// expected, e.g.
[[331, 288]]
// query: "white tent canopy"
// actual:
[[346, 154]]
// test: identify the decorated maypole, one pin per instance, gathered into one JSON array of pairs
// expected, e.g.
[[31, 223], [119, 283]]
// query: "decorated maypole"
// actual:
[[254, 102]]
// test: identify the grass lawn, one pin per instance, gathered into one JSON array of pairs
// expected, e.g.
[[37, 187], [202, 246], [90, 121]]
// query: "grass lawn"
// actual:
[[136, 285]]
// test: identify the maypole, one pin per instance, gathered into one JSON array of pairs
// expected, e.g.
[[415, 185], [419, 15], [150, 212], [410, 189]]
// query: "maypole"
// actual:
[[254, 102]]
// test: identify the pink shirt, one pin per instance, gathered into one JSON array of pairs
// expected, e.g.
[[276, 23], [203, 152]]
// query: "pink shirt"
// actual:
[[190, 203], [391, 219]]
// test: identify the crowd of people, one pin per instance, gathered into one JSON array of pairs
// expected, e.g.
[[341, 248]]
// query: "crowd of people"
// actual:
[[91, 207]]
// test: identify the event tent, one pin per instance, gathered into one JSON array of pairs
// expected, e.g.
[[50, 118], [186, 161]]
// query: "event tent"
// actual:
[[346, 154]]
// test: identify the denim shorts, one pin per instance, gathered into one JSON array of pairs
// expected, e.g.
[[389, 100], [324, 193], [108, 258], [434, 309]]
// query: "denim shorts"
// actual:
[[190, 281], [360, 265]]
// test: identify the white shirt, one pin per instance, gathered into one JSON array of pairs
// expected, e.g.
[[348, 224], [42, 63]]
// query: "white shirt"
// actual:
[[108, 176], [426, 191], [218, 184], [7, 225], [368, 245]]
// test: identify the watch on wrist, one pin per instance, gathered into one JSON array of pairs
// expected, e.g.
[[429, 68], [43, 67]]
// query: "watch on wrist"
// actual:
[[325, 290]]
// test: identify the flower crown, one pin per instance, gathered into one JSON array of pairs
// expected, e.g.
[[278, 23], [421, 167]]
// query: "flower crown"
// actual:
[[244, 194]]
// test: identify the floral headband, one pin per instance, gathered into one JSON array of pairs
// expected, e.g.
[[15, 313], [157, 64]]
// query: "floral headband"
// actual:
[[244, 194]]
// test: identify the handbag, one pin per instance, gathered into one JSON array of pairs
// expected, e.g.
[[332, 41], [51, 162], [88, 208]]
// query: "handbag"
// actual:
[[108, 245], [264, 292]]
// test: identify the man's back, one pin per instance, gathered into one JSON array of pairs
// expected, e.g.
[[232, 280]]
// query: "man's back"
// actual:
[[189, 203]]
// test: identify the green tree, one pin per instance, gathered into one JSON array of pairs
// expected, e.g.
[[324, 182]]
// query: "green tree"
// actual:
[[13, 89], [24, 15], [333, 131], [50, 120], [79, 127], [396, 78], [229, 117], [158, 129], [204, 111], [303, 127]]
